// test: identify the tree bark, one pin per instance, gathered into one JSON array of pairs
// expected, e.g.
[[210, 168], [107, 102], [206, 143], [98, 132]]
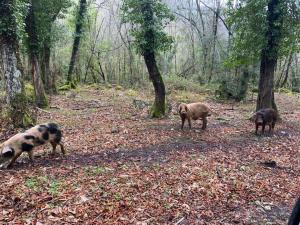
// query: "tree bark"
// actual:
[[15, 94], [46, 67], [33, 47], [12, 68], [287, 71], [78, 34], [40, 96], [158, 108], [244, 81], [269, 57], [101, 73], [215, 32]]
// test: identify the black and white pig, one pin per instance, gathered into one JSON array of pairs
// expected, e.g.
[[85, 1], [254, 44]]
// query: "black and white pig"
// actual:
[[41, 134]]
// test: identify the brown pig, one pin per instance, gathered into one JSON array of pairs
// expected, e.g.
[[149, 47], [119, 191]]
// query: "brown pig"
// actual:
[[194, 111], [265, 117]]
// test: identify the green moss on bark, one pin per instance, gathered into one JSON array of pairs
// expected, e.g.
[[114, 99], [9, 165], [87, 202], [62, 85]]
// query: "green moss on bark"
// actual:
[[18, 112], [158, 109]]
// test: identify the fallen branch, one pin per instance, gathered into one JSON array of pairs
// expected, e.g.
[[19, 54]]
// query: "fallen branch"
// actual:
[[180, 221], [42, 110], [54, 107]]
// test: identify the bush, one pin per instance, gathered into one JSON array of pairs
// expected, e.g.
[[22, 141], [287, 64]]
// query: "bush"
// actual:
[[65, 87], [174, 82], [284, 90], [226, 91], [29, 91]]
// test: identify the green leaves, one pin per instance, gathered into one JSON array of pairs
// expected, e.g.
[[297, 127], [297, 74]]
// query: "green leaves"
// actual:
[[45, 12], [12, 15], [249, 23], [148, 19]]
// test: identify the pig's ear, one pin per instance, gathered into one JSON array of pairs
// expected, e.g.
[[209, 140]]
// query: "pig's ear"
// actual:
[[8, 152], [180, 108]]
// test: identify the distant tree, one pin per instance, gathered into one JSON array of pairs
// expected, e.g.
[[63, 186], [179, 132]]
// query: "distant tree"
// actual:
[[77, 37], [148, 19], [33, 46], [10, 19], [46, 12], [264, 31]]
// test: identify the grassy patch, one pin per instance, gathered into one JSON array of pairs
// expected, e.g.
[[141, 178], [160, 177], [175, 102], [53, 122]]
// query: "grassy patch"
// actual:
[[93, 171], [41, 183], [186, 96], [33, 183], [54, 187]]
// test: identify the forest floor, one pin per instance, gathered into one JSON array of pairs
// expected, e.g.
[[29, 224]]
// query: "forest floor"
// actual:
[[122, 167]]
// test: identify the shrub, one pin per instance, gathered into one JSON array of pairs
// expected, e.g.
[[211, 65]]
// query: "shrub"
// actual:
[[174, 82]]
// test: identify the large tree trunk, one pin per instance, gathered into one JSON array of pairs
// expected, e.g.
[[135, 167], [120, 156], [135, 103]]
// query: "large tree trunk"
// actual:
[[12, 68], [158, 108], [266, 83], [15, 94], [33, 46], [269, 56], [78, 33]]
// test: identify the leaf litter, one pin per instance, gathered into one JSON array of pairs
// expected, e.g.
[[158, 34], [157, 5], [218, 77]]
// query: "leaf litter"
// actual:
[[125, 168]]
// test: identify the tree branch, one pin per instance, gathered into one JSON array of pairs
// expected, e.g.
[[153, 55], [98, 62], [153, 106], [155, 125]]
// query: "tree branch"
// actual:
[[223, 21]]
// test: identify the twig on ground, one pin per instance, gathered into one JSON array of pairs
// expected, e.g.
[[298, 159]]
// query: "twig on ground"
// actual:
[[180, 221], [43, 110]]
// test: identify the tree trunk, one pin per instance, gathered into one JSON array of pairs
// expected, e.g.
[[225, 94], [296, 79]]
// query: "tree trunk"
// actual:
[[265, 97], [33, 47], [158, 108], [269, 56], [101, 73], [215, 32], [15, 94], [203, 41], [12, 68], [287, 71], [46, 68], [244, 81], [40, 96], [78, 34]]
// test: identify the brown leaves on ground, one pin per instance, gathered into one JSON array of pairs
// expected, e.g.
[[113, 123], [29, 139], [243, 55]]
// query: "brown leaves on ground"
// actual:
[[124, 168]]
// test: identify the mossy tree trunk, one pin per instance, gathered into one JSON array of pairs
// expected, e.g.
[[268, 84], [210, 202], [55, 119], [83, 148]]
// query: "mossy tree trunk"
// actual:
[[77, 38], [12, 68], [33, 47], [158, 109], [159, 105]]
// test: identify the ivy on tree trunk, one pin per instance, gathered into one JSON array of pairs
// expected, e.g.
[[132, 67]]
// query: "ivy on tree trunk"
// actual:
[[12, 68], [78, 34], [158, 108], [269, 56]]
